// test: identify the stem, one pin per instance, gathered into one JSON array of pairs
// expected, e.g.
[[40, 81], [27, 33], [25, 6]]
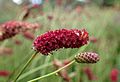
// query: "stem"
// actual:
[[52, 72], [39, 68], [24, 67], [15, 70]]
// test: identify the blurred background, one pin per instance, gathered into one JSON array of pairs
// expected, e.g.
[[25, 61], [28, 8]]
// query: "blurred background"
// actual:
[[101, 18]]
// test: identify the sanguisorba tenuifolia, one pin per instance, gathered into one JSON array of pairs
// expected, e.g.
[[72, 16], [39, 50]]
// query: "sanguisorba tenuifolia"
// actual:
[[87, 57], [62, 38], [11, 28]]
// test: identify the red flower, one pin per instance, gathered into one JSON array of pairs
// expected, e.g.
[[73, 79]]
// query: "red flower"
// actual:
[[36, 6], [4, 73], [50, 17], [65, 62], [11, 28], [114, 75], [29, 35], [4, 50], [93, 39], [78, 9], [63, 73], [18, 42], [89, 73], [47, 1], [59, 2], [62, 38]]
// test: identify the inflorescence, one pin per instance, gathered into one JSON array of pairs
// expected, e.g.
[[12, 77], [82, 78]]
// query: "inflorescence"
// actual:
[[63, 38], [87, 57], [11, 28]]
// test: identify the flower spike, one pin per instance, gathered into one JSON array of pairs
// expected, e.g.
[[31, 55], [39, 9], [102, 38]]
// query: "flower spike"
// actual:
[[87, 57], [62, 38]]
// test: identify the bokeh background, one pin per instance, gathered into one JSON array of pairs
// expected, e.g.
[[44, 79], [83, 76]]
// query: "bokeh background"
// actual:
[[101, 18]]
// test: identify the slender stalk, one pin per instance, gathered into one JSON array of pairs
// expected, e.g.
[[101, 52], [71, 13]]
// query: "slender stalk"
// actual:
[[15, 70], [39, 68], [52, 73], [24, 67]]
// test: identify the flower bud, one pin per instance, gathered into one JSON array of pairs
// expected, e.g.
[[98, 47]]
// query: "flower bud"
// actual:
[[4, 73], [87, 57]]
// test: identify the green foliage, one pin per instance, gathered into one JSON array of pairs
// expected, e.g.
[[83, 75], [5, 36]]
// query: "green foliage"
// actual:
[[99, 23]]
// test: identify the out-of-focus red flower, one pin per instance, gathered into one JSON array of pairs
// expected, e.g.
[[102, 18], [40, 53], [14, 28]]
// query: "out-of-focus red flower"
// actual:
[[50, 17], [36, 6], [114, 75], [17, 42], [11, 28], [93, 39], [57, 63], [4, 50], [89, 73], [47, 1], [78, 9], [65, 62], [4, 73], [29, 35], [59, 2], [63, 38], [63, 73]]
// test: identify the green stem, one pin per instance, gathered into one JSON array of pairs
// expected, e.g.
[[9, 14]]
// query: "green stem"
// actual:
[[15, 70], [52, 72], [24, 67]]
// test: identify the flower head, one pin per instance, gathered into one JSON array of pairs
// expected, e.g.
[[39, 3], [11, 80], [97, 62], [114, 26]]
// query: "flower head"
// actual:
[[87, 57], [59, 2], [4, 73], [63, 73], [11, 28], [62, 38], [50, 17], [89, 73], [28, 35], [17, 42], [114, 75]]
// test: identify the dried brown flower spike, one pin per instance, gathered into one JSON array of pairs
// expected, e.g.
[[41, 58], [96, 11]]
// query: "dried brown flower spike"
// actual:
[[87, 57]]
